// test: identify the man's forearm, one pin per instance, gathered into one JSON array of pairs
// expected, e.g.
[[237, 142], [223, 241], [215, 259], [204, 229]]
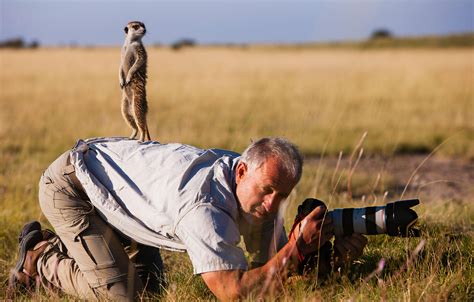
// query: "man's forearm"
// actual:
[[260, 279], [232, 285], [314, 231]]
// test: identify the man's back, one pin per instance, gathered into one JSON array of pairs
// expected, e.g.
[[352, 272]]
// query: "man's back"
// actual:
[[152, 185]]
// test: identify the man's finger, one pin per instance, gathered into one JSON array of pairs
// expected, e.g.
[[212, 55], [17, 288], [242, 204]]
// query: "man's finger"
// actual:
[[361, 239], [340, 248], [325, 226], [317, 213], [346, 244], [328, 219], [328, 228], [326, 236], [357, 241], [354, 244]]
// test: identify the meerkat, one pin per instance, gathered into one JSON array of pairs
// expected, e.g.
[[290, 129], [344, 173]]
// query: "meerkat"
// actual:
[[132, 79]]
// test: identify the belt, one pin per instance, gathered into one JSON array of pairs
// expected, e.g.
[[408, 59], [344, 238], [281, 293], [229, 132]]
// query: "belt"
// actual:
[[70, 172]]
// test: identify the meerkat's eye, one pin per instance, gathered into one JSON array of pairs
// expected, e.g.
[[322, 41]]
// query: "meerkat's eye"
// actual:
[[136, 27]]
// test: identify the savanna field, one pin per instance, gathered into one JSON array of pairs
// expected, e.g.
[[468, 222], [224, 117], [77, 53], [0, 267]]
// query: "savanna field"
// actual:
[[375, 125]]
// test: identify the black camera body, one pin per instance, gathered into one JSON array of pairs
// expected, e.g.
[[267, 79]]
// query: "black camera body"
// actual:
[[394, 219]]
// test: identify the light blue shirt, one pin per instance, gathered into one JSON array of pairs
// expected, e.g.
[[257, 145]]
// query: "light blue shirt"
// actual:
[[173, 196]]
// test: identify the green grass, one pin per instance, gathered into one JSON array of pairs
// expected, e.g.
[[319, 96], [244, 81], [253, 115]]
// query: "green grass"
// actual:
[[442, 270]]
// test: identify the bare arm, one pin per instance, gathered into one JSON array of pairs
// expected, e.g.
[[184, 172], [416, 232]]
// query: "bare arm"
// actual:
[[235, 284]]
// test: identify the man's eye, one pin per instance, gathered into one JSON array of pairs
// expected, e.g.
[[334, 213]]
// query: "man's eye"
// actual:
[[267, 190]]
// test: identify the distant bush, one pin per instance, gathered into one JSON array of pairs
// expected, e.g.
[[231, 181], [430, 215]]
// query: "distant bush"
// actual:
[[18, 43], [183, 43], [455, 40], [13, 43], [381, 34]]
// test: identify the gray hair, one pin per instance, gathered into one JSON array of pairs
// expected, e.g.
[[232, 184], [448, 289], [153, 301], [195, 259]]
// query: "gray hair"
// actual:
[[290, 159]]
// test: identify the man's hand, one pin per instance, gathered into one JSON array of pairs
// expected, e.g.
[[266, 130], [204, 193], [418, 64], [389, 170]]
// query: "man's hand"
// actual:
[[348, 248], [308, 236], [313, 231]]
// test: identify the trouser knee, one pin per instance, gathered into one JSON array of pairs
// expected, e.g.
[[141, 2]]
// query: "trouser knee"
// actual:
[[148, 264]]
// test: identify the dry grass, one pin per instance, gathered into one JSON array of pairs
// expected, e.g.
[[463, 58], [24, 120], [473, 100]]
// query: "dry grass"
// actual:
[[407, 101]]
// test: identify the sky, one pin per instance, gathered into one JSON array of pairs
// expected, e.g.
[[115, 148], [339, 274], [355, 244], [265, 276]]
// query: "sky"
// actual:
[[90, 22]]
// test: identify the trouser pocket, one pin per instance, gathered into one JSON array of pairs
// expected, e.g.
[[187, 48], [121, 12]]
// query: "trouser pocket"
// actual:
[[98, 250], [100, 254]]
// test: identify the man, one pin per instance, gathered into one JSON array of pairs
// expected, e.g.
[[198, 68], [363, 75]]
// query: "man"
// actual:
[[113, 202]]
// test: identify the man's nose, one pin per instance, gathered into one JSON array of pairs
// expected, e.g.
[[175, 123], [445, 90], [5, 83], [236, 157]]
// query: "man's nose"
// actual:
[[272, 203]]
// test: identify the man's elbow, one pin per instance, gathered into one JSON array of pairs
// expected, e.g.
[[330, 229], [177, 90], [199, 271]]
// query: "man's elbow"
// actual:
[[231, 294], [226, 287]]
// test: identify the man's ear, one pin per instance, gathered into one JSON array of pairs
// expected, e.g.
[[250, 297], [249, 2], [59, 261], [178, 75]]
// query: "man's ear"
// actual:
[[241, 171]]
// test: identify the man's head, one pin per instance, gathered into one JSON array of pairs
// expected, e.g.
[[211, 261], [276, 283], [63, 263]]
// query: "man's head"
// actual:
[[266, 174]]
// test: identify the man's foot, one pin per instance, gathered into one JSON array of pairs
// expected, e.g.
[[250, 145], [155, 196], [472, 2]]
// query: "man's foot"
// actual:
[[32, 244], [34, 226], [28, 228]]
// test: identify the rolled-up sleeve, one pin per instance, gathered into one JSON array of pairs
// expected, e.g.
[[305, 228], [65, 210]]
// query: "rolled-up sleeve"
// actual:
[[211, 237]]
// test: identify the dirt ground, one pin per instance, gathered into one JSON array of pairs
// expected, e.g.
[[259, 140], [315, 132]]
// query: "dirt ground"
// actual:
[[432, 179]]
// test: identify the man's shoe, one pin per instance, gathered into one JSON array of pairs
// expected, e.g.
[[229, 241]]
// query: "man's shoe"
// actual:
[[28, 228], [33, 243], [34, 226]]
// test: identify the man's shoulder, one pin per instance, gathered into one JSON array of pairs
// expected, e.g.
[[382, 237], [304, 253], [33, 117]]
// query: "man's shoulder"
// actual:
[[223, 152], [125, 144], [178, 147]]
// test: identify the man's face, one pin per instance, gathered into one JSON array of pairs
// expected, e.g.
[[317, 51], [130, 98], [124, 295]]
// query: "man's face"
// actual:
[[261, 191]]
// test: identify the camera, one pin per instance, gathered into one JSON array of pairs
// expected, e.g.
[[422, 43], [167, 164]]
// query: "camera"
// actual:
[[394, 219]]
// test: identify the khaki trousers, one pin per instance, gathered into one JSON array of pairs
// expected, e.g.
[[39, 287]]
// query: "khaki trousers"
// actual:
[[88, 258]]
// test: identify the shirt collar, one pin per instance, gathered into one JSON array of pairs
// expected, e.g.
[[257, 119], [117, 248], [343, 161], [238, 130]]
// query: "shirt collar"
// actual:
[[233, 183]]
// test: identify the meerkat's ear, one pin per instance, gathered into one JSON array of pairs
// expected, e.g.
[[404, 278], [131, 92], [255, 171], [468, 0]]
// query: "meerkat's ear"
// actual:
[[125, 29]]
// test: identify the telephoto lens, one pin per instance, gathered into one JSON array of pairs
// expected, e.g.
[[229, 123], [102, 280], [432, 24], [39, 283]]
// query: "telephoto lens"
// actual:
[[395, 218]]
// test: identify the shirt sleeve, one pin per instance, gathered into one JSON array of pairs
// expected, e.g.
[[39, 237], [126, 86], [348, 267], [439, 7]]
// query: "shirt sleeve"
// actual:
[[211, 237]]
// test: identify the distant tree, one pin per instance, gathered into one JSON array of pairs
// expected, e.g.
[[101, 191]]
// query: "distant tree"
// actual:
[[18, 43], [186, 42], [381, 34], [13, 43]]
